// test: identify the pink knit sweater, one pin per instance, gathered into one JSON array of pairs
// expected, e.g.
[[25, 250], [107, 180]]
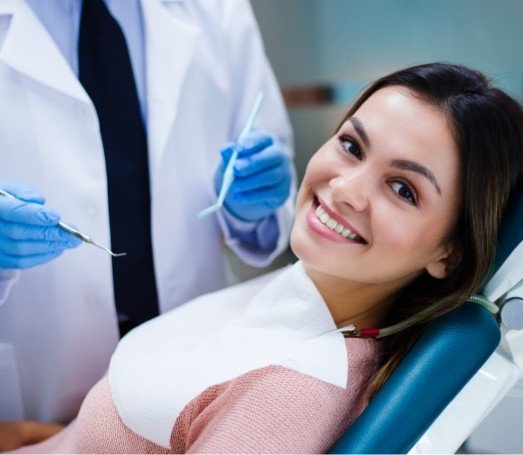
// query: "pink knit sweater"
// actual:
[[269, 410]]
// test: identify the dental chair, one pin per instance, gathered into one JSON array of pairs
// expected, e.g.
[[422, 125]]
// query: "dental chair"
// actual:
[[453, 376]]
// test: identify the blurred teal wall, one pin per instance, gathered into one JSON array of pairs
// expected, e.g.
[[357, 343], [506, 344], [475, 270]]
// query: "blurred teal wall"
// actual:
[[352, 42], [348, 40]]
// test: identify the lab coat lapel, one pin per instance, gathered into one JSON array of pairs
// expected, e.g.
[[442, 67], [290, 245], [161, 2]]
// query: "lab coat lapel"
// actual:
[[170, 45], [30, 50]]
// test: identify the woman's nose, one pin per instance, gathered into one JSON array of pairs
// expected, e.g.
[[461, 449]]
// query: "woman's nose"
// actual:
[[351, 190]]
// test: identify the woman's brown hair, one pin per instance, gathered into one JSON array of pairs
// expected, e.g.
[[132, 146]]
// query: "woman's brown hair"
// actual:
[[487, 125]]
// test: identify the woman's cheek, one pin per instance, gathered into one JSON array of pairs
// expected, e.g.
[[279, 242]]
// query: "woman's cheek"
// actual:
[[394, 229]]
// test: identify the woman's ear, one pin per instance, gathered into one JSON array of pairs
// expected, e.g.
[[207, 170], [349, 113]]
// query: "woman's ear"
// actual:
[[444, 264], [438, 269]]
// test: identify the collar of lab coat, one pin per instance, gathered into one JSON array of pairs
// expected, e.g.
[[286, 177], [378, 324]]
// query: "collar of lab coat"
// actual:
[[170, 43], [161, 366], [27, 48]]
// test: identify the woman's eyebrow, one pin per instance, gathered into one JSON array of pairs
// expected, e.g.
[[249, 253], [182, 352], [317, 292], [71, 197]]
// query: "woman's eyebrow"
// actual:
[[358, 126], [408, 165]]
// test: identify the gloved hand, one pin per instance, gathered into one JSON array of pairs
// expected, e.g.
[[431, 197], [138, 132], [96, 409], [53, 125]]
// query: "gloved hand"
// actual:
[[29, 234], [262, 177]]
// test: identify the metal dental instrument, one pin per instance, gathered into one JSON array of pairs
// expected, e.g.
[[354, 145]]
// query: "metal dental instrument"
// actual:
[[72, 230], [88, 239], [228, 175]]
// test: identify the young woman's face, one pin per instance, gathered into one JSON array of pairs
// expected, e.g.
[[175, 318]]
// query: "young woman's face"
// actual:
[[378, 198]]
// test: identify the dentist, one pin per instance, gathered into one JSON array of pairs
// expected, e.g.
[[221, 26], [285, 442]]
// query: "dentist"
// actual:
[[113, 114]]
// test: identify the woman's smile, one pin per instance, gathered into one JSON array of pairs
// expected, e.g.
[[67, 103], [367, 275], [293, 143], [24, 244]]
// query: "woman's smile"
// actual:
[[330, 225]]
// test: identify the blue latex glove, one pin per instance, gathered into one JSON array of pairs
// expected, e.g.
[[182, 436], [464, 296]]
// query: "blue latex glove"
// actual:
[[262, 177], [29, 234]]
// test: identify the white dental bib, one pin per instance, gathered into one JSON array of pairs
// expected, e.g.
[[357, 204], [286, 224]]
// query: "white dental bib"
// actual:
[[158, 368]]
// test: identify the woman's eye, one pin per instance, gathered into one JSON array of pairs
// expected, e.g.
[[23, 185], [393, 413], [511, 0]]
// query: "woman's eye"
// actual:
[[404, 191], [350, 146]]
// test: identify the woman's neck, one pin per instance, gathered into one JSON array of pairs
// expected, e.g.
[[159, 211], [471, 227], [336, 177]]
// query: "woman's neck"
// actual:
[[364, 305]]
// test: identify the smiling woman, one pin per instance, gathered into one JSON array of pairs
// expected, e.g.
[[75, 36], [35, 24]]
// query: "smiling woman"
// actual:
[[396, 221], [422, 166]]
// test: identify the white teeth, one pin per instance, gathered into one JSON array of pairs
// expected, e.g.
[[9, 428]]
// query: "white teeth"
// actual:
[[322, 215], [331, 223]]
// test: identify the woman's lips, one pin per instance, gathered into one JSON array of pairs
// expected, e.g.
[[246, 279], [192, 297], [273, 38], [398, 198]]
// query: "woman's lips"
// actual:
[[325, 231], [338, 218]]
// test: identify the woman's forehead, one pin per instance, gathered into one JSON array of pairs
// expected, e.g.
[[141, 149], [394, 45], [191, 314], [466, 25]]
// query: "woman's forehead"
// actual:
[[402, 108], [396, 115]]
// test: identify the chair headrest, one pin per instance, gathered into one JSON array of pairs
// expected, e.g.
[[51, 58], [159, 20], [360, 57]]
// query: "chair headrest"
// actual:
[[511, 230], [507, 272]]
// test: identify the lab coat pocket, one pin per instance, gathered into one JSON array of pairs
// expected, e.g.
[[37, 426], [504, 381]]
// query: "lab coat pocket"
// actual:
[[11, 407]]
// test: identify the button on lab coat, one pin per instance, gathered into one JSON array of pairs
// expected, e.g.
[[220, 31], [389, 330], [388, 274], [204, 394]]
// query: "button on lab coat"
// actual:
[[204, 65]]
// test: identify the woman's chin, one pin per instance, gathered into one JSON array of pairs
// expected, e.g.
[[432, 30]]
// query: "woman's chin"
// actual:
[[298, 243]]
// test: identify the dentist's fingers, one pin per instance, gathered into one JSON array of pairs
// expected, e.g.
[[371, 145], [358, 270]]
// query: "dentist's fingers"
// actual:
[[271, 157], [264, 179], [13, 210], [18, 231], [23, 248], [253, 143], [272, 196], [29, 234]]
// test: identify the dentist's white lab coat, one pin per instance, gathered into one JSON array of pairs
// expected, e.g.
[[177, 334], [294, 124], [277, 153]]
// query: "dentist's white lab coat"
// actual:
[[204, 65]]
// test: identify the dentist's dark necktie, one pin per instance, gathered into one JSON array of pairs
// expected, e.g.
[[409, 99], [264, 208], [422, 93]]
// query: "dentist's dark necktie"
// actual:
[[106, 73]]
